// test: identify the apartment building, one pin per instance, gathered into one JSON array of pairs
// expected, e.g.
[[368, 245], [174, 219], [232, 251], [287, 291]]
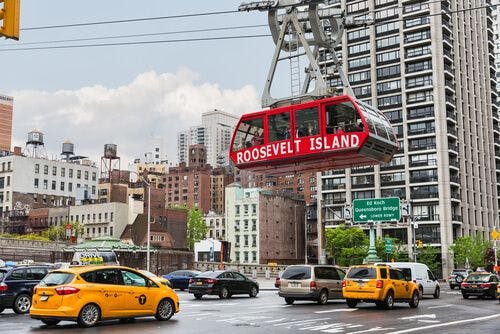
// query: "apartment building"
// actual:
[[435, 80], [6, 107]]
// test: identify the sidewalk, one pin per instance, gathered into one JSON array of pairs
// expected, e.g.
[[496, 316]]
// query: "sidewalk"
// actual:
[[265, 284]]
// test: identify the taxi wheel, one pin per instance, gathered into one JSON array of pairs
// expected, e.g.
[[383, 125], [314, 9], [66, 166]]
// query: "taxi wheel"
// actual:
[[415, 299], [289, 301], [389, 300], [50, 322], [198, 295], [165, 310], [437, 293], [89, 315], [224, 293], [22, 304], [323, 297], [253, 292], [351, 303]]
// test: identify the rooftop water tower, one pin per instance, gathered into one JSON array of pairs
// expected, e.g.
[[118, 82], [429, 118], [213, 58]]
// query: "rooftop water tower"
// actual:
[[109, 161], [68, 150], [34, 145]]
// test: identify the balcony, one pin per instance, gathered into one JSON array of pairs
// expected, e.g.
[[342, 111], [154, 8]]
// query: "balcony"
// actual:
[[424, 163], [456, 195], [457, 218], [423, 195], [428, 217], [337, 201], [455, 179], [422, 179], [421, 131], [333, 186], [454, 163], [453, 147], [363, 185], [431, 146]]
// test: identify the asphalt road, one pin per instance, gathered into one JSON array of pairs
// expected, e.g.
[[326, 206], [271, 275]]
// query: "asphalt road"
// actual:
[[269, 314]]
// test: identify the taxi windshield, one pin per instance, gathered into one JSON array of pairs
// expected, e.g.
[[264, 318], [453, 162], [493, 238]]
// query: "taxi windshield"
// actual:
[[477, 278]]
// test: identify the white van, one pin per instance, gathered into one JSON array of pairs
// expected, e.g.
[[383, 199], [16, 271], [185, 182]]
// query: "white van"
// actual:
[[421, 275]]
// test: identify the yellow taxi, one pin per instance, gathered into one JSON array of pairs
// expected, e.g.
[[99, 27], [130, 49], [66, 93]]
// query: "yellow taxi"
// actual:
[[92, 293], [155, 278], [498, 292], [379, 284]]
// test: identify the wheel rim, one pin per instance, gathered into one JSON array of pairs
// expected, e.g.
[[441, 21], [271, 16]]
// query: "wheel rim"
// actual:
[[390, 301], [224, 293], [254, 291], [90, 314], [23, 303], [438, 292], [324, 297], [415, 299], [165, 309]]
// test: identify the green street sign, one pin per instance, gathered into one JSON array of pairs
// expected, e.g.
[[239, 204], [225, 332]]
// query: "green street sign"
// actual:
[[388, 246], [376, 210]]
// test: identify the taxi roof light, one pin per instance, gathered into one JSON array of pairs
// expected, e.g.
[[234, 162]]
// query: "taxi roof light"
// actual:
[[66, 290]]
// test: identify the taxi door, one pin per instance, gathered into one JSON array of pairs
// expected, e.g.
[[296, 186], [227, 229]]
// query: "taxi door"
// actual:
[[139, 297], [107, 285], [401, 286]]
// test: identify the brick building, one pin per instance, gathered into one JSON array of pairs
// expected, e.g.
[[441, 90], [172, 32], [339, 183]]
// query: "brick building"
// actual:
[[6, 107]]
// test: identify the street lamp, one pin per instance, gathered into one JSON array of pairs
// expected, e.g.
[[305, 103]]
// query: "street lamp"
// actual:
[[148, 244]]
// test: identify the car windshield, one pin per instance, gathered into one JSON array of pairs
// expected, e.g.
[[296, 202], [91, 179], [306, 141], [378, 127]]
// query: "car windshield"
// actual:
[[56, 278], [362, 272], [454, 272], [478, 278], [147, 273], [297, 272]]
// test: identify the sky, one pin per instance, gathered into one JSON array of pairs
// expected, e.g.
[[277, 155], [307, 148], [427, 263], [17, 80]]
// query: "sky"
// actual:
[[126, 95]]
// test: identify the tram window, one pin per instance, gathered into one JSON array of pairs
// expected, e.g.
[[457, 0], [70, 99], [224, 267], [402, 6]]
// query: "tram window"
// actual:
[[250, 133], [342, 117], [278, 127], [306, 122]]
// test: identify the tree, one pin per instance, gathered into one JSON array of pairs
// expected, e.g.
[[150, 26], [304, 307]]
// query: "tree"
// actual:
[[58, 233], [472, 249], [196, 227], [428, 255], [347, 245]]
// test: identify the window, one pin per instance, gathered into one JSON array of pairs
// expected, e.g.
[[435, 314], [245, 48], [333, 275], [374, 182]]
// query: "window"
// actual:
[[46, 170], [35, 184], [417, 36], [70, 173], [416, 22], [420, 112], [388, 86], [63, 172], [388, 42], [358, 48], [389, 101], [386, 14], [386, 57], [358, 6], [418, 51], [419, 66], [307, 123], [359, 77], [278, 127], [425, 80], [36, 273], [133, 279], [388, 72], [250, 133], [45, 184], [86, 175], [54, 170], [62, 186], [94, 176], [363, 194], [37, 168], [387, 28], [341, 117], [78, 174], [362, 90], [357, 34], [70, 186], [53, 185], [425, 96]]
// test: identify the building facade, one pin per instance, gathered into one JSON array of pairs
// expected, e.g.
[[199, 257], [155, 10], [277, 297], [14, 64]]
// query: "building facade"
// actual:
[[435, 80], [215, 133], [40, 182], [216, 224], [188, 186], [6, 108], [263, 227]]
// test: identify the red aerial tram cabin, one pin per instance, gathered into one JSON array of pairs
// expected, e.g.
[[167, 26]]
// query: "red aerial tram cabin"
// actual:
[[330, 133]]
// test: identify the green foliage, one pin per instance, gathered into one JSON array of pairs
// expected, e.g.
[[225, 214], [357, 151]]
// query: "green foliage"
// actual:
[[472, 248], [196, 227], [58, 233], [429, 256], [347, 245], [31, 236]]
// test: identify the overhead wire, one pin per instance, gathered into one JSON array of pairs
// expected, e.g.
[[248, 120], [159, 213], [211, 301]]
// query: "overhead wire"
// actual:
[[376, 23]]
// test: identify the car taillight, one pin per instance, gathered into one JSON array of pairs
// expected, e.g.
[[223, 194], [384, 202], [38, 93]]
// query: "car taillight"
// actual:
[[380, 284], [464, 285], [34, 289], [344, 284], [3, 287], [211, 281], [312, 285], [191, 281], [66, 290], [485, 285], [277, 283]]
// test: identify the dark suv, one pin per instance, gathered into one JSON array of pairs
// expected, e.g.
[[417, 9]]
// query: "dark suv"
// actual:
[[16, 286]]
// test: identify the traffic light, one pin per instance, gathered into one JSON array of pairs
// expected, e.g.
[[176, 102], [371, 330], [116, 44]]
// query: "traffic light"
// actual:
[[420, 244], [9, 19]]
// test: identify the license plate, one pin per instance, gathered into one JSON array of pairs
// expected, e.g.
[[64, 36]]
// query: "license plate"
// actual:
[[293, 285], [361, 284], [199, 283], [44, 298], [473, 286]]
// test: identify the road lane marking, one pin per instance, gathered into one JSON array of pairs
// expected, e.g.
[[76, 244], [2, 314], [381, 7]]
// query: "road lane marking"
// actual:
[[337, 310], [440, 306], [417, 329], [276, 320], [431, 316], [428, 321], [301, 322], [374, 329]]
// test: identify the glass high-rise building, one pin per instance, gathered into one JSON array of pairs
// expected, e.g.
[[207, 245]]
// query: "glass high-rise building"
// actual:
[[430, 67]]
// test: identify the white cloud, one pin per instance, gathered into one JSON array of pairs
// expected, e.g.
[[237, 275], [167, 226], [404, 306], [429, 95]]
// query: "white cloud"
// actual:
[[152, 104]]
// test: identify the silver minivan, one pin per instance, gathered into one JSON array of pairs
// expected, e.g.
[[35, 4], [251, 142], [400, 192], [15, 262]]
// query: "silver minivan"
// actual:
[[311, 282]]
